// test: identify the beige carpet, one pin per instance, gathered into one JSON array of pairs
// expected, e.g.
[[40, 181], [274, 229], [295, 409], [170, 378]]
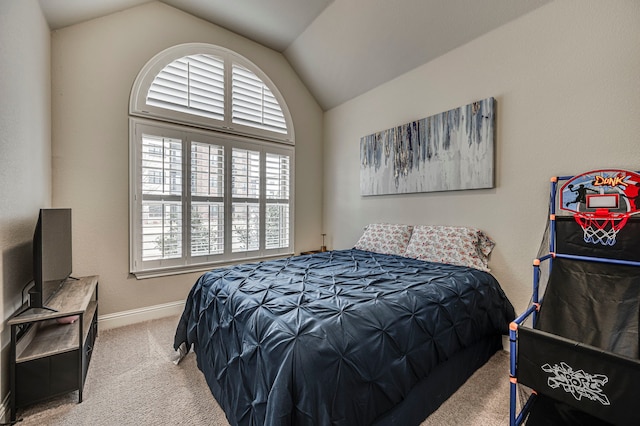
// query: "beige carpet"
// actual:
[[133, 381]]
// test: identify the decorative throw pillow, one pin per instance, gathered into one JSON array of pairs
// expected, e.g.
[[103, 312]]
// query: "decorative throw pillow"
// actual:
[[450, 244], [385, 238]]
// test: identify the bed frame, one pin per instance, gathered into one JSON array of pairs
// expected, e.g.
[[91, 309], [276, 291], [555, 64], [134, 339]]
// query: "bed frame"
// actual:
[[442, 382]]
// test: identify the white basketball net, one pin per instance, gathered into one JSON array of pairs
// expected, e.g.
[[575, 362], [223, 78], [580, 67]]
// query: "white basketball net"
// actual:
[[601, 230]]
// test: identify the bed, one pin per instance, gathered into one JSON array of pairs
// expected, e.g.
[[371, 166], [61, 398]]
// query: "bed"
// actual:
[[346, 337]]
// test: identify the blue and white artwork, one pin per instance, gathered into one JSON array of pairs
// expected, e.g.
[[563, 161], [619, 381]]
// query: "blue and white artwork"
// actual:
[[453, 150]]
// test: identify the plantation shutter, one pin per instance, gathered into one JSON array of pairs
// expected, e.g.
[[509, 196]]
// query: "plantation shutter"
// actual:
[[253, 104], [278, 173], [245, 208], [161, 182], [192, 84], [207, 199]]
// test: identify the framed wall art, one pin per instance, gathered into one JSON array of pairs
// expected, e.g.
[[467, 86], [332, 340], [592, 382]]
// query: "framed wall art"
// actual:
[[450, 151]]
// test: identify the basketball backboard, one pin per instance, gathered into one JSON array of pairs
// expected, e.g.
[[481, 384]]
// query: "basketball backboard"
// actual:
[[610, 191]]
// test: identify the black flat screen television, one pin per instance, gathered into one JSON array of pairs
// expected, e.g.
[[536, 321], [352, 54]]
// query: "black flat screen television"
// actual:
[[52, 259]]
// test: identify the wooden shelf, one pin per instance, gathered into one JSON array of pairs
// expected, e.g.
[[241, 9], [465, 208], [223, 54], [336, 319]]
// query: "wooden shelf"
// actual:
[[73, 298], [49, 337]]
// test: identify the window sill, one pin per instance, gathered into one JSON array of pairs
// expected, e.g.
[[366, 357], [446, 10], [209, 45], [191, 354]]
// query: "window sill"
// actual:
[[155, 273]]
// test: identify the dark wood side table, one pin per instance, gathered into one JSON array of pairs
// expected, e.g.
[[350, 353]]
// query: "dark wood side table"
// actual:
[[313, 251]]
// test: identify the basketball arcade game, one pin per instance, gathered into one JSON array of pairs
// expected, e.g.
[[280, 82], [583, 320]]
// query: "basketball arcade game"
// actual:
[[575, 350]]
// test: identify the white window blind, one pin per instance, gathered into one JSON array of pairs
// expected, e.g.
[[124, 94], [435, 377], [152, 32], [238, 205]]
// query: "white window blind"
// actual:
[[161, 230], [245, 187], [229, 199], [278, 174], [161, 184], [245, 227], [207, 194], [214, 88], [253, 103], [207, 228], [245, 173], [193, 84], [277, 225]]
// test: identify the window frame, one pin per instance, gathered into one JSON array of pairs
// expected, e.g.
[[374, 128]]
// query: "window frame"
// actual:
[[138, 106], [186, 262], [170, 123]]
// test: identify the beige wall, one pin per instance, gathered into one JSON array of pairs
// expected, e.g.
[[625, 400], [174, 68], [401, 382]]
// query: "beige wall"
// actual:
[[25, 150], [94, 65], [566, 80]]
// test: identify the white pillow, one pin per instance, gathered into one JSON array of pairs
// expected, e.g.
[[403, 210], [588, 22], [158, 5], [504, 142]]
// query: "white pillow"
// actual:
[[385, 238], [450, 244]]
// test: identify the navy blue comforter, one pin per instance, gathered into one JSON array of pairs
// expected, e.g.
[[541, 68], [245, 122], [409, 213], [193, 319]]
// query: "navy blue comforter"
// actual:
[[332, 338]]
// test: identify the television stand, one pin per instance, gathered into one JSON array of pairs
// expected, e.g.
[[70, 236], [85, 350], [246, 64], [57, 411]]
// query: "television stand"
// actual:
[[48, 357], [28, 310]]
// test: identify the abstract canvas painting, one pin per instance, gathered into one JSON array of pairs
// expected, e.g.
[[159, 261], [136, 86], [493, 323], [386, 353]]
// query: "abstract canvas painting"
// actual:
[[453, 150]]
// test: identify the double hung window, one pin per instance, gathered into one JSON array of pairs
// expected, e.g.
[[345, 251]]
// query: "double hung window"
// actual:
[[211, 163]]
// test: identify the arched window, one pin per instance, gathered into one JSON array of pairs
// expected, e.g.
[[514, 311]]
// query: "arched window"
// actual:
[[211, 163]]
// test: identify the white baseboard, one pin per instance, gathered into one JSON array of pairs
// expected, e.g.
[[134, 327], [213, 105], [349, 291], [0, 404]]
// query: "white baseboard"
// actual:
[[506, 343], [119, 319]]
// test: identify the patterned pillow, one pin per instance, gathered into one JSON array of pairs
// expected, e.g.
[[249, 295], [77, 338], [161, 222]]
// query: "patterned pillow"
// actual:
[[385, 238], [450, 244]]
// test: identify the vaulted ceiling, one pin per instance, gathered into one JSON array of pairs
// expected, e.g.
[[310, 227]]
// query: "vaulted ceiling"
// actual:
[[339, 48]]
